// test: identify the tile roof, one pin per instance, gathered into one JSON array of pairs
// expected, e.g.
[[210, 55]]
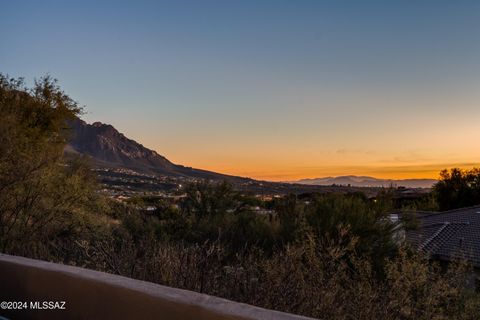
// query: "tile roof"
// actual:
[[448, 235]]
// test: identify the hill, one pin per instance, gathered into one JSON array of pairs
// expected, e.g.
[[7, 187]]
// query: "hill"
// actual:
[[107, 147], [365, 181]]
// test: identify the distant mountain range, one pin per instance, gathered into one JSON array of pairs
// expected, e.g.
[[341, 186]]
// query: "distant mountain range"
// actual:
[[109, 148], [364, 181]]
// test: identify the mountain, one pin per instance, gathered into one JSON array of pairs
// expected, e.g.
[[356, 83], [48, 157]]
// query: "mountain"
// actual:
[[109, 148], [364, 181]]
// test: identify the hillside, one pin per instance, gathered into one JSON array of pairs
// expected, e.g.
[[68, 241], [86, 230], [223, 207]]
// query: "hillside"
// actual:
[[107, 147]]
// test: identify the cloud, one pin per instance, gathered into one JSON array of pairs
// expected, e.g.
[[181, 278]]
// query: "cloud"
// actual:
[[354, 151]]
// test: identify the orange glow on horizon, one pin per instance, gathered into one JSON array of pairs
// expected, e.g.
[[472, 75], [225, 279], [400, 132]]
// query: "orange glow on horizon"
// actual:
[[270, 173], [415, 149]]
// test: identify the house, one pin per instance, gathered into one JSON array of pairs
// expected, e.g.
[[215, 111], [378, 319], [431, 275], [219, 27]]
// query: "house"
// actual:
[[448, 235]]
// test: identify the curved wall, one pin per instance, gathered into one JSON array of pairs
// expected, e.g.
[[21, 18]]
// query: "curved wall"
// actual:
[[91, 294]]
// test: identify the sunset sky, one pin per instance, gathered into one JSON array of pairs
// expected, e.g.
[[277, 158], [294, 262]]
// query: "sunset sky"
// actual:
[[276, 90]]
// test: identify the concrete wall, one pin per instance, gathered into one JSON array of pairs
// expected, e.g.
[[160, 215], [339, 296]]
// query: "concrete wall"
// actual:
[[96, 295]]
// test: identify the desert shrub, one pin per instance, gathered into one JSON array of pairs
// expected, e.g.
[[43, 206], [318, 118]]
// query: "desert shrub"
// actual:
[[319, 278], [42, 195]]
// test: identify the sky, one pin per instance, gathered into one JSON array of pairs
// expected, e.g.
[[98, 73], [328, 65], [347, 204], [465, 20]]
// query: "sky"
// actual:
[[275, 90]]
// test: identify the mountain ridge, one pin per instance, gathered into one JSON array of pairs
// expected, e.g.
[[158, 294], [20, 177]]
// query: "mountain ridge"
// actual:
[[367, 181], [107, 147]]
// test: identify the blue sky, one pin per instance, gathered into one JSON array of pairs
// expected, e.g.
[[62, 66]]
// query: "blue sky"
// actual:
[[269, 89]]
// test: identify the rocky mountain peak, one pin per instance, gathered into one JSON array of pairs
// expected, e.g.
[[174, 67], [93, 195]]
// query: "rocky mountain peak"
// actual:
[[108, 147]]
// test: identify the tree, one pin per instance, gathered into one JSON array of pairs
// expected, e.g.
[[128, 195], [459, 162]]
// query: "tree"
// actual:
[[331, 214], [458, 188], [41, 193]]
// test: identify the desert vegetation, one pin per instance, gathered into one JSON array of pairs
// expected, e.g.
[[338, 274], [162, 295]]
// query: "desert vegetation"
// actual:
[[331, 257]]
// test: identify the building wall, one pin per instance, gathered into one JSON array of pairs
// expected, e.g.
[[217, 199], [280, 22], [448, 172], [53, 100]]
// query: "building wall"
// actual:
[[96, 295]]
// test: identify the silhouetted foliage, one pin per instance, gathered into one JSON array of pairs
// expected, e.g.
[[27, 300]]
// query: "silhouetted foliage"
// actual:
[[458, 188], [42, 196]]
